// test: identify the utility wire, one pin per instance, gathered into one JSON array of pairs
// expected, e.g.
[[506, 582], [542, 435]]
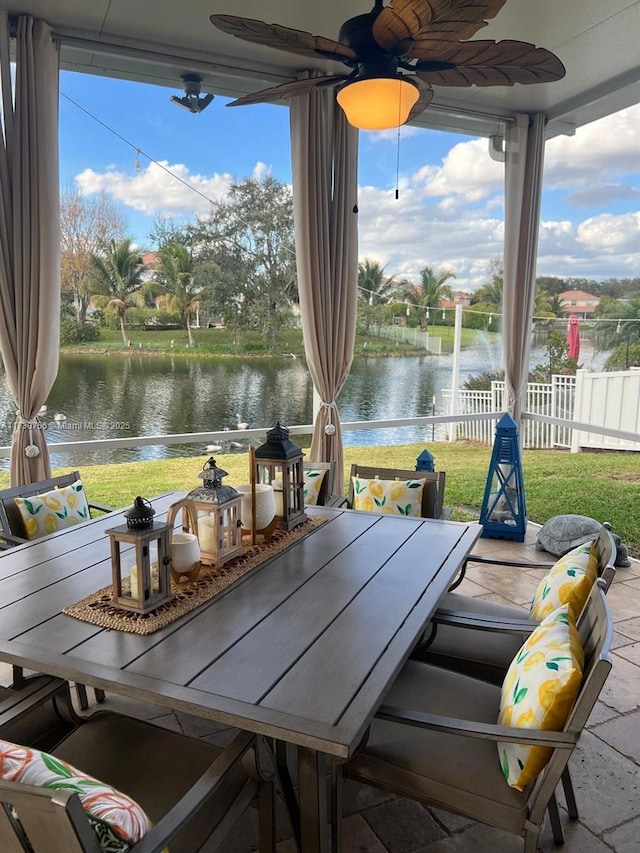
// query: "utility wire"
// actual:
[[164, 168]]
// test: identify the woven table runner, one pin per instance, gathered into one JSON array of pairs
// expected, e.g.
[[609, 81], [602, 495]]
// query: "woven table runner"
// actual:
[[98, 608]]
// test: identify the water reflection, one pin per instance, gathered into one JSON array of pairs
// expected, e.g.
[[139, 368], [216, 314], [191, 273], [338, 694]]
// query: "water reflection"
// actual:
[[122, 396]]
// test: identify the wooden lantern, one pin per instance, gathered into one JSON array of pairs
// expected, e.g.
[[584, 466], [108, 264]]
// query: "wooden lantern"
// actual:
[[217, 508], [504, 513], [278, 462], [140, 549]]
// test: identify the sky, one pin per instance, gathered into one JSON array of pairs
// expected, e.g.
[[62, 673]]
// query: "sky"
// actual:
[[159, 161]]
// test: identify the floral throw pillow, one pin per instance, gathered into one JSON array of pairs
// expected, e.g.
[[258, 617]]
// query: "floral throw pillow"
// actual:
[[538, 692], [312, 484], [568, 582], [117, 820], [390, 497], [44, 514]]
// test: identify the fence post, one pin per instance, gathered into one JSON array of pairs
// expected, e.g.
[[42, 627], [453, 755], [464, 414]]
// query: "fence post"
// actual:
[[577, 410]]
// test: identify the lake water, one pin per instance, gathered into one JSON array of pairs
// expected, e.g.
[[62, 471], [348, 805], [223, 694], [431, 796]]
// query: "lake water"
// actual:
[[119, 396]]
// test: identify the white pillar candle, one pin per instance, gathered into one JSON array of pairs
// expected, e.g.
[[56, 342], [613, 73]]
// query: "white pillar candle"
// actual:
[[133, 580], [277, 493], [206, 534]]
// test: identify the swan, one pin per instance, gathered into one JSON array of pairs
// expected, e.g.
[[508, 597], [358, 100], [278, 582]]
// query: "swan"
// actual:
[[59, 417], [241, 424], [213, 448]]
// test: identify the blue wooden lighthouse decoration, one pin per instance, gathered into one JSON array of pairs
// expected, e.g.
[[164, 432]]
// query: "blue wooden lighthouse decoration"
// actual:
[[425, 462], [504, 512]]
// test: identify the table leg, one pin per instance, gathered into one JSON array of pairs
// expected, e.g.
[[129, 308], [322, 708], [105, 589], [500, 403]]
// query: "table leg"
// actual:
[[336, 806], [312, 780]]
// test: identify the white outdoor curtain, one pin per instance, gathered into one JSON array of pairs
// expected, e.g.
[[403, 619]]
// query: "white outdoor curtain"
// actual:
[[29, 236], [523, 190], [325, 173]]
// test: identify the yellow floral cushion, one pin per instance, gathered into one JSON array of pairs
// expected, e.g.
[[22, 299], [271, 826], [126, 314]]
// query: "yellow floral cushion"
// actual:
[[312, 484], [51, 511], [391, 497], [568, 582], [538, 692], [117, 820]]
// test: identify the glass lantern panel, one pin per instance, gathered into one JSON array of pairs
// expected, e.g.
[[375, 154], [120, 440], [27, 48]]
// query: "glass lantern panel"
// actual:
[[152, 550], [207, 526]]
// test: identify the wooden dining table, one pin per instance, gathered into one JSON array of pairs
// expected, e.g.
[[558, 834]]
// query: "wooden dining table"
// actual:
[[301, 650]]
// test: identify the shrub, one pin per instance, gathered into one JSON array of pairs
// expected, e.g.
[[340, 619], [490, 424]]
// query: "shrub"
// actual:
[[72, 333]]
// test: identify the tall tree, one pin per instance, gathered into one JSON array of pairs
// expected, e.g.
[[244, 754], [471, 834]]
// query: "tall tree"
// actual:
[[86, 224], [489, 295], [117, 275], [374, 286], [175, 274], [244, 254], [430, 292]]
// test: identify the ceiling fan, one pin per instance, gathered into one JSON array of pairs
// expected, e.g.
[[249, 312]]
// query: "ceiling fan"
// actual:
[[396, 53]]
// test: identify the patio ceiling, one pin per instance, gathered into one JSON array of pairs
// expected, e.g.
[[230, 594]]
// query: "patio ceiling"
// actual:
[[156, 41]]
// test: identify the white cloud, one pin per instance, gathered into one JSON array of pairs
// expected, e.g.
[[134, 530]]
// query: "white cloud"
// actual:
[[605, 148], [467, 174], [162, 189], [608, 233], [261, 171]]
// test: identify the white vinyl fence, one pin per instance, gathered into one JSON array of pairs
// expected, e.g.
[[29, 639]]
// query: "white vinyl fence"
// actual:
[[610, 400], [414, 336]]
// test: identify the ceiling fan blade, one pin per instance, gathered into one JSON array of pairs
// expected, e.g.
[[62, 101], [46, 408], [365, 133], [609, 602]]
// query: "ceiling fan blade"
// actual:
[[282, 38], [490, 63], [454, 21], [287, 90], [398, 24], [424, 99]]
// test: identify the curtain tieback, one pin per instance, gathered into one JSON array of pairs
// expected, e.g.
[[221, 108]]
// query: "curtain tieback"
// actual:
[[31, 450], [330, 428]]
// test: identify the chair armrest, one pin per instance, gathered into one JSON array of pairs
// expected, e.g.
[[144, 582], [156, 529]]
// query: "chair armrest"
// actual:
[[516, 564], [477, 621], [336, 501], [206, 787], [8, 540], [36, 691], [475, 729], [101, 507]]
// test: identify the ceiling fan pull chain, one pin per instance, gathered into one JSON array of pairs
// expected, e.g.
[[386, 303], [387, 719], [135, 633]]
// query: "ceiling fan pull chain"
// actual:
[[398, 165]]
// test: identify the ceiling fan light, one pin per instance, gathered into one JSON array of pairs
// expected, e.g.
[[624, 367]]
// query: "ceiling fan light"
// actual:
[[378, 103]]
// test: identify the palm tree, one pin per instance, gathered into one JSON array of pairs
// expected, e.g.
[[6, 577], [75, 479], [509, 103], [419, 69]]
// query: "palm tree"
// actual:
[[490, 294], [433, 288], [117, 276], [374, 286], [175, 273]]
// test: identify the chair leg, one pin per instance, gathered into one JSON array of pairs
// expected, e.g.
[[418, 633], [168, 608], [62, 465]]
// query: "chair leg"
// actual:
[[18, 677], [569, 794], [83, 700], [554, 817]]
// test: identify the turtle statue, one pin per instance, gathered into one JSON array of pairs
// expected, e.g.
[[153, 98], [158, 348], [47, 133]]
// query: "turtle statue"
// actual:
[[563, 532]]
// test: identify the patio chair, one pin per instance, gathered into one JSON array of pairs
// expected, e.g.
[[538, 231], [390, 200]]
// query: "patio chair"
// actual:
[[12, 526], [422, 747], [192, 792], [479, 637], [432, 494], [13, 532]]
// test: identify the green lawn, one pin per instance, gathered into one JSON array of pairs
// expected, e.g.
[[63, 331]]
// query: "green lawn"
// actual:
[[605, 486], [226, 342]]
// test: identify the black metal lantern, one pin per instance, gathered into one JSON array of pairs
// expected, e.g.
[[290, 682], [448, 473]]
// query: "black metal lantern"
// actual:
[[217, 509], [140, 549], [278, 462]]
